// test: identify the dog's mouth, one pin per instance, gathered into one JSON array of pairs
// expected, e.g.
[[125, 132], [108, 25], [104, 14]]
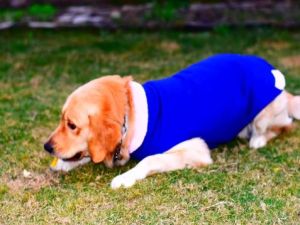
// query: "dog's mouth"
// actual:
[[76, 157]]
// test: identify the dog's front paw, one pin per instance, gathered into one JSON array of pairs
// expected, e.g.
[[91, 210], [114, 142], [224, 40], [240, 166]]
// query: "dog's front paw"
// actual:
[[258, 142], [124, 180]]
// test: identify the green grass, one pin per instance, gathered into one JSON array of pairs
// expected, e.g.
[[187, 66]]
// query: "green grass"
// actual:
[[38, 69]]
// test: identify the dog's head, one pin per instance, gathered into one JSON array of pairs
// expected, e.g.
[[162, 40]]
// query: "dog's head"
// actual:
[[91, 121]]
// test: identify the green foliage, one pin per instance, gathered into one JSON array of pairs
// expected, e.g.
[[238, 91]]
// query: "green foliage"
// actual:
[[165, 11], [9, 14], [41, 12]]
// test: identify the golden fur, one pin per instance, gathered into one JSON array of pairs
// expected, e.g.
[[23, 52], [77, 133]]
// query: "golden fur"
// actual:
[[97, 110]]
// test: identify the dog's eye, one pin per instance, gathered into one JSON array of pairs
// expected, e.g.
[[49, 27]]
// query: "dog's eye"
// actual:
[[72, 126]]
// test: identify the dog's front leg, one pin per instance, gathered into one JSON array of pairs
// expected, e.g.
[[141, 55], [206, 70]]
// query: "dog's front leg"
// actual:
[[189, 154]]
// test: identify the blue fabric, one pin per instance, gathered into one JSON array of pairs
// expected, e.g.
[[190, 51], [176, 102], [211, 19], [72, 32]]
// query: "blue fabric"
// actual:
[[213, 99]]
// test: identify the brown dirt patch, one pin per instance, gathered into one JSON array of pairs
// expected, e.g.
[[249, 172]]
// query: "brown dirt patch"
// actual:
[[291, 61], [32, 180], [36, 82], [273, 45], [276, 45], [170, 46], [41, 133]]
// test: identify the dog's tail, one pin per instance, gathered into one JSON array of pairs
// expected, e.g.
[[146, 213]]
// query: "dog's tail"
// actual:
[[294, 106]]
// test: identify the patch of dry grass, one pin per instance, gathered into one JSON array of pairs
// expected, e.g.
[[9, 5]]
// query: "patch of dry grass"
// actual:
[[291, 61], [30, 181]]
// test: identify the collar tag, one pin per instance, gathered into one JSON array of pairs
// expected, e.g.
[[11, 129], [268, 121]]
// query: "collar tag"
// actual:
[[124, 127], [118, 148]]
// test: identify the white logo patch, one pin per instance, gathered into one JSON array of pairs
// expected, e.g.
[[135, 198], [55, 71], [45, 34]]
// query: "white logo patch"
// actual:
[[279, 79]]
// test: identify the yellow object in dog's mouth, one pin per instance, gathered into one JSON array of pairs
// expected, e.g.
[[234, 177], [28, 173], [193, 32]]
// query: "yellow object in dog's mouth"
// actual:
[[54, 162]]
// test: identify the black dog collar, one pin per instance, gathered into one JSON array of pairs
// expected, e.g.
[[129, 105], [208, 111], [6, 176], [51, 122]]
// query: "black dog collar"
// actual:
[[117, 156]]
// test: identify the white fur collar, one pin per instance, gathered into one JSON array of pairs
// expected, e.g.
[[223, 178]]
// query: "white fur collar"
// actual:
[[140, 106]]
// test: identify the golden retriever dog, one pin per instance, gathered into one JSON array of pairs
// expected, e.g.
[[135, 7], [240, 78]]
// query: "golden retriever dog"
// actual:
[[106, 120]]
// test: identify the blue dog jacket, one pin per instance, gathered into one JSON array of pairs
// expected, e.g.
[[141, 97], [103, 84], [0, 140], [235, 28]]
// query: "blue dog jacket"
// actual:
[[213, 99]]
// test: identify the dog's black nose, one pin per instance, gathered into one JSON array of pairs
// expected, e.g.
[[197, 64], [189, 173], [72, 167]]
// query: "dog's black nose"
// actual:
[[48, 147]]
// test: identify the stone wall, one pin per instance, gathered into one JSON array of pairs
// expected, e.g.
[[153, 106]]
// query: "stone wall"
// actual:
[[156, 16], [65, 3]]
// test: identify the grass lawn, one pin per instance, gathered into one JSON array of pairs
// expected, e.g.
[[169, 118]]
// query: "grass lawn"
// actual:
[[38, 69]]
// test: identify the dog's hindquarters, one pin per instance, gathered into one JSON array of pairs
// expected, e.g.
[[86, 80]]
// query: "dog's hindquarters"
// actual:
[[272, 120], [293, 106]]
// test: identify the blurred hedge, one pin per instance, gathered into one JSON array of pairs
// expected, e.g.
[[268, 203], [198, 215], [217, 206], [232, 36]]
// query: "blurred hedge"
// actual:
[[63, 3]]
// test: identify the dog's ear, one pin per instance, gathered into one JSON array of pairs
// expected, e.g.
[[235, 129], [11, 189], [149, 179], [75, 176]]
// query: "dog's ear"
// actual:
[[104, 134], [96, 149], [106, 123]]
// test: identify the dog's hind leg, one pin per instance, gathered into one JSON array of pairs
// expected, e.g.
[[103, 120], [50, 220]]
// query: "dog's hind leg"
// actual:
[[294, 106], [188, 154], [258, 136], [270, 122]]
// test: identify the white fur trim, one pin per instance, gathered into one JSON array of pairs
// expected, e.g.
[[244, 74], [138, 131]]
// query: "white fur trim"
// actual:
[[279, 79], [140, 105]]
